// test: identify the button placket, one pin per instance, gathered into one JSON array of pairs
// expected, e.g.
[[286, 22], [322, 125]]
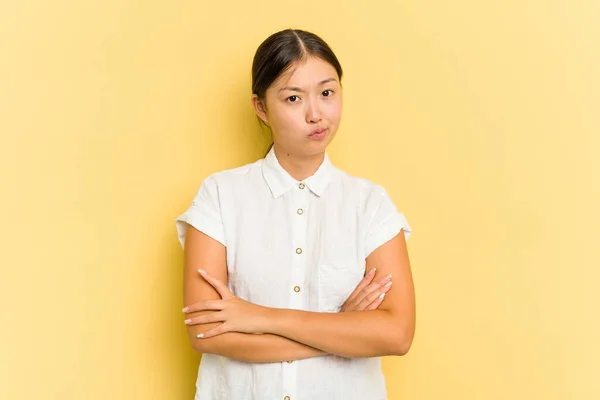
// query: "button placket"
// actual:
[[297, 297], [300, 199], [299, 258]]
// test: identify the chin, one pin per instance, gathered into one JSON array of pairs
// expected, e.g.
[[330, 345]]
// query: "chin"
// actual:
[[317, 148]]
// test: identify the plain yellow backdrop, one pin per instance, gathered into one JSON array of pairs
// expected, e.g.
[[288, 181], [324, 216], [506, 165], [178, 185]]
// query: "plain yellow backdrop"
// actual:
[[481, 118]]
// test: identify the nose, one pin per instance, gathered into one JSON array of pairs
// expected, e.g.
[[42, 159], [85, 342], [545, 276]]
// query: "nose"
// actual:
[[313, 112]]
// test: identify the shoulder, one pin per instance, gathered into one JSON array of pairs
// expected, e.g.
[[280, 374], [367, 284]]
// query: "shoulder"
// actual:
[[363, 188], [232, 176], [383, 218], [215, 186]]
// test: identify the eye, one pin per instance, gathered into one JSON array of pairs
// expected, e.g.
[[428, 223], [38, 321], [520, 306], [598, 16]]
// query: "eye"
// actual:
[[293, 99], [328, 91]]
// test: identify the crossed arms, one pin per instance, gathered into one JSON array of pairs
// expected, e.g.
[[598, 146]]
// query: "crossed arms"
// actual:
[[293, 334]]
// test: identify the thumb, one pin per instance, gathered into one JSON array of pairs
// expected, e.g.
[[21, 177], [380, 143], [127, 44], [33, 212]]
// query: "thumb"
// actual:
[[219, 286]]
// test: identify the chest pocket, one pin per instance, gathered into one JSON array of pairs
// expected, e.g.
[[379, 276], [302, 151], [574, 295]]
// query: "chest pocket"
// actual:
[[335, 284]]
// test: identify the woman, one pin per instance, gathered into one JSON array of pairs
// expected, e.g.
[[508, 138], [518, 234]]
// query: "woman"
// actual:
[[288, 260]]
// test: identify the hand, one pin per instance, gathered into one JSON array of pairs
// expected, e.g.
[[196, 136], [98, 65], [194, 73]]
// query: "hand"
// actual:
[[368, 295], [236, 315]]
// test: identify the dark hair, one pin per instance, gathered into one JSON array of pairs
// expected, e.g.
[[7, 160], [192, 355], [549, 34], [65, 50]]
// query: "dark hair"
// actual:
[[279, 51]]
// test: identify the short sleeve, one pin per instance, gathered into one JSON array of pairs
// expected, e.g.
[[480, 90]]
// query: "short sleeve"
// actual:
[[204, 213], [386, 222]]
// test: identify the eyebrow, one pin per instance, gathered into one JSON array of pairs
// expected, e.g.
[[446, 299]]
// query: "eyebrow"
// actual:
[[297, 89]]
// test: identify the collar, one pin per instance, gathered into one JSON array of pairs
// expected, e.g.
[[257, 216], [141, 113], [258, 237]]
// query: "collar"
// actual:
[[279, 181]]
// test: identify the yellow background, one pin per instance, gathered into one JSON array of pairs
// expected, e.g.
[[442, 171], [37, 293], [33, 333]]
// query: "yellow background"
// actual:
[[480, 117]]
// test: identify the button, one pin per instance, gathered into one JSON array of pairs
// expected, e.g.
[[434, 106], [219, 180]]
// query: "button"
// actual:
[[291, 361], [300, 211], [286, 398], [298, 250], [296, 289], [302, 186]]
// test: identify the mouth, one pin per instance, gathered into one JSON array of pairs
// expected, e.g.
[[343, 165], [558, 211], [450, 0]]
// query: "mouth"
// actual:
[[318, 133]]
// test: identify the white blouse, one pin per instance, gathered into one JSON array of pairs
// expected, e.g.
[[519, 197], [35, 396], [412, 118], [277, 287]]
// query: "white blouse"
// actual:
[[296, 245]]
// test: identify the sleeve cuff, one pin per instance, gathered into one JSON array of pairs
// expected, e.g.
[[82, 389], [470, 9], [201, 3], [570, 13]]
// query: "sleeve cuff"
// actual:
[[387, 230], [205, 224]]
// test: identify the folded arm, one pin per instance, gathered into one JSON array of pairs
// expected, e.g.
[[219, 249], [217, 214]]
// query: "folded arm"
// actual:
[[296, 334], [251, 348], [201, 251], [389, 330]]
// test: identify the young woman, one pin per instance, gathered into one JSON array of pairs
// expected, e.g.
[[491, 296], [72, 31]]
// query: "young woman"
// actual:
[[289, 260]]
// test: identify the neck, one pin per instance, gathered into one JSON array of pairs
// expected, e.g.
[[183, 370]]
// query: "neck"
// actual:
[[299, 167]]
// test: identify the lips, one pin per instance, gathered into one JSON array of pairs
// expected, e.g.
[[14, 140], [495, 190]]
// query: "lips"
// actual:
[[317, 132]]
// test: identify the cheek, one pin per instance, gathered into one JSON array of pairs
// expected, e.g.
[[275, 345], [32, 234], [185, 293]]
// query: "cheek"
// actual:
[[292, 119], [288, 123], [334, 113], [279, 117]]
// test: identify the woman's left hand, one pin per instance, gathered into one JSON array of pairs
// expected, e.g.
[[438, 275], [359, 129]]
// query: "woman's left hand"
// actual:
[[236, 315]]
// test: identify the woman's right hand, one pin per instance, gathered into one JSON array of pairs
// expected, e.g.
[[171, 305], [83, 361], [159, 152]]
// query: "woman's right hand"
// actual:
[[368, 295]]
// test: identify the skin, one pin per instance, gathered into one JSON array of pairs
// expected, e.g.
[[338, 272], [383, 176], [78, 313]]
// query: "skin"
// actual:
[[305, 98], [296, 104]]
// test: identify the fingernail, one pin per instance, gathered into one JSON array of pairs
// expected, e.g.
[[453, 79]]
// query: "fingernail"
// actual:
[[200, 335], [382, 295], [185, 309], [388, 284], [203, 272], [187, 321], [372, 271]]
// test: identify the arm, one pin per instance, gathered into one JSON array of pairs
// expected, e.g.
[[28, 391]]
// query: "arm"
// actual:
[[388, 330], [201, 251]]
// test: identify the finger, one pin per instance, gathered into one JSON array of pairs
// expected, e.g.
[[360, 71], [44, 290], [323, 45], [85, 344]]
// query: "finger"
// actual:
[[374, 296], [219, 286], [376, 303], [206, 319], [213, 332], [364, 282], [377, 285], [206, 305], [373, 288]]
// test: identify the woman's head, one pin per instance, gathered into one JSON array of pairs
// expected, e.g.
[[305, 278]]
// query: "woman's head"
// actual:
[[296, 90]]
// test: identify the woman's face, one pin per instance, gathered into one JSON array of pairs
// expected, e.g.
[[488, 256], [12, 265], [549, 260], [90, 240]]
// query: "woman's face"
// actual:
[[304, 107]]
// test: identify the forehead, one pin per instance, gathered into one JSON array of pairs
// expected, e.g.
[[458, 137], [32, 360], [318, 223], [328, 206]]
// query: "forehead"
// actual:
[[306, 72]]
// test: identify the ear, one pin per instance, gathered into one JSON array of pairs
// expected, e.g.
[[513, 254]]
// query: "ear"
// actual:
[[260, 109]]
